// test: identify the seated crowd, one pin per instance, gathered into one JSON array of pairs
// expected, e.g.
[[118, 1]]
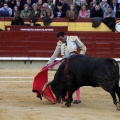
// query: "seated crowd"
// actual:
[[49, 9]]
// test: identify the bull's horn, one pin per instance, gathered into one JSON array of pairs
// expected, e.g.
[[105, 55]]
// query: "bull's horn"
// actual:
[[44, 87]]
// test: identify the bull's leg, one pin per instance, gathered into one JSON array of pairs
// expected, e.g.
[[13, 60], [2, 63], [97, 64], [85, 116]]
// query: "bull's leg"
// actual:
[[69, 80], [114, 97], [117, 90], [70, 99], [64, 97], [117, 104]]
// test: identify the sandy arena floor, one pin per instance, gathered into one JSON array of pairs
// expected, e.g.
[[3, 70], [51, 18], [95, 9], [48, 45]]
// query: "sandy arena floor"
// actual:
[[18, 102]]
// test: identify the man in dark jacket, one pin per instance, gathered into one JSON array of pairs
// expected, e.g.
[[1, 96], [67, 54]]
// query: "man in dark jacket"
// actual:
[[58, 11], [65, 6], [96, 12]]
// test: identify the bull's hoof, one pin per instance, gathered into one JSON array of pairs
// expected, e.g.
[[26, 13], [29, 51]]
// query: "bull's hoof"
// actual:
[[67, 104], [118, 105]]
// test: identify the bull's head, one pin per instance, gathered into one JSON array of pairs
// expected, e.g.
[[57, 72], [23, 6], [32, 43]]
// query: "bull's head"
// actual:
[[58, 85], [58, 89]]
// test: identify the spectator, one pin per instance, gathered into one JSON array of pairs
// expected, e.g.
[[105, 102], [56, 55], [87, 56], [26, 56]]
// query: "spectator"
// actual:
[[29, 2], [9, 2], [92, 4], [96, 12], [19, 3], [104, 5], [77, 7], [72, 13], [39, 5], [84, 2], [15, 9], [17, 20], [35, 14], [84, 12], [65, 6], [89, 2], [109, 13], [78, 2], [46, 14], [115, 7], [118, 13], [25, 13], [50, 4], [109, 18], [58, 11], [69, 2], [5, 11]]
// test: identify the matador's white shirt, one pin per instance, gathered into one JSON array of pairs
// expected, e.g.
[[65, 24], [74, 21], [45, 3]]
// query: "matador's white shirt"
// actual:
[[68, 48]]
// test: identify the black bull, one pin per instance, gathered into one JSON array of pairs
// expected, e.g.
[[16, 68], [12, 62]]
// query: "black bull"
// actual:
[[81, 70]]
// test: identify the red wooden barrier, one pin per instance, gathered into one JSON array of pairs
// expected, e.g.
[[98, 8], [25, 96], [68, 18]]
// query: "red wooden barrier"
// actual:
[[42, 44]]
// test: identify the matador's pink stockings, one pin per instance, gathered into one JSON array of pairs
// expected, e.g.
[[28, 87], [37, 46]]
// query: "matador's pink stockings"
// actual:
[[77, 95]]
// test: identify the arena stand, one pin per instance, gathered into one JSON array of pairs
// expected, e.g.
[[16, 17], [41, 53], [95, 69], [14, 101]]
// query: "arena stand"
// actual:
[[37, 43]]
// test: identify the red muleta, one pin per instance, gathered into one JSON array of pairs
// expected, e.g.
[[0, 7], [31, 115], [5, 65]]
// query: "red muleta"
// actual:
[[39, 81]]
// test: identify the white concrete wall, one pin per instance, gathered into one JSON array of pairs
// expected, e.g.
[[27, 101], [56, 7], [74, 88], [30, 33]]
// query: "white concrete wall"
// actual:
[[23, 64]]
